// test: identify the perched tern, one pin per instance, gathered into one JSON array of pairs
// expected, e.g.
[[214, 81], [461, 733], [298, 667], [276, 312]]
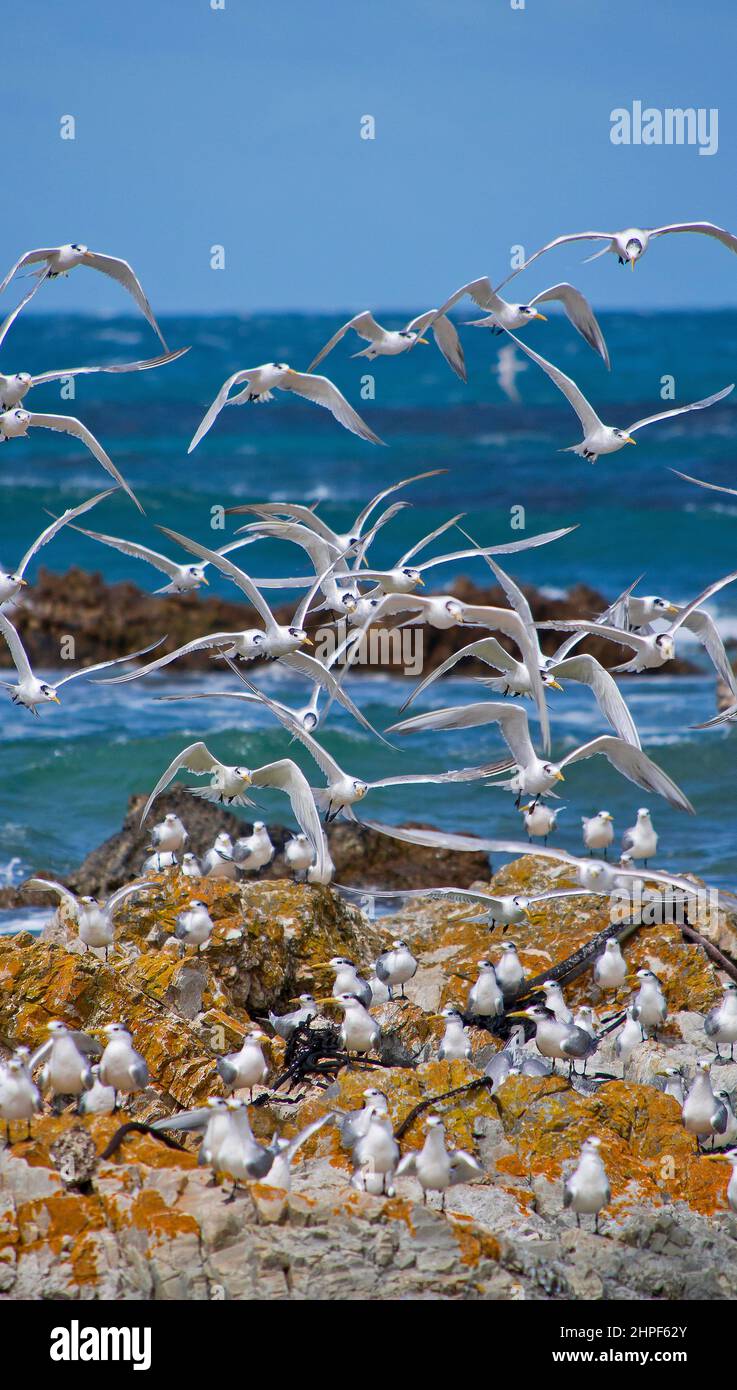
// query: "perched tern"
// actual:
[[246, 1068], [100, 1099], [278, 376], [587, 1190], [194, 924], [359, 1032], [120, 1065], [65, 1059], [703, 1114], [598, 831], [649, 1006], [253, 852], [610, 969], [485, 998], [384, 342], [54, 261], [720, 1024], [455, 1044], [20, 1098], [563, 1040], [540, 820], [286, 1024], [435, 1168], [169, 834], [93, 917], [396, 967], [509, 970], [641, 840]]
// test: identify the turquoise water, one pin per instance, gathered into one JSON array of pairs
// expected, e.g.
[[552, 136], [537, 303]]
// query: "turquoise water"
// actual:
[[66, 777]]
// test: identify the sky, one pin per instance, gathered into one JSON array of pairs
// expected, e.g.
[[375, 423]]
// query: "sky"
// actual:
[[240, 127]]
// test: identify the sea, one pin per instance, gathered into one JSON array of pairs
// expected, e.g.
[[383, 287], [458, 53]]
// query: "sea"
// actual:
[[67, 776]]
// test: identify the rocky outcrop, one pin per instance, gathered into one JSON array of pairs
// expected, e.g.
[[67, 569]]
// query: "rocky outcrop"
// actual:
[[144, 1221]]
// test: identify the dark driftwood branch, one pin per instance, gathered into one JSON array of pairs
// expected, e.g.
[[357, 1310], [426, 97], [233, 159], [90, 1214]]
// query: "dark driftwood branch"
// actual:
[[138, 1127], [481, 1083], [713, 952]]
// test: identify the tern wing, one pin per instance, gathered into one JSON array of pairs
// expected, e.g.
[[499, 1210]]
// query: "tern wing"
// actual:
[[363, 515], [127, 891], [134, 549], [188, 1120], [714, 487], [635, 640], [691, 608], [727, 239], [707, 632], [681, 409], [558, 241], [213, 411], [287, 777], [580, 313], [427, 540], [143, 366], [320, 675], [50, 885], [528, 643], [196, 758], [445, 334], [512, 720], [587, 415], [635, 765], [364, 324], [442, 839], [231, 571], [485, 649], [305, 1134], [480, 291], [8, 322], [321, 391], [199, 644], [67, 424], [28, 258], [125, 275], [16, 649], [463, 1167], [112, 661], [590, 672], [56, 525]]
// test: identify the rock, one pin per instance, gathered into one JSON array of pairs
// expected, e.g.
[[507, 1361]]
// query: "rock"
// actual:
[[147, 1223]]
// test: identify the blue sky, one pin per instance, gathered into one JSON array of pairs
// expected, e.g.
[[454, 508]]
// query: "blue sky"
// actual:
[[241, 127]]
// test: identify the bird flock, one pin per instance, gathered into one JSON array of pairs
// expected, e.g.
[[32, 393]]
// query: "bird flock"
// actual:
[[343, 587]]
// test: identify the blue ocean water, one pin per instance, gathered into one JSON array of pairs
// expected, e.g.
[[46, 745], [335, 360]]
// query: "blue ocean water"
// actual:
[[66, 777]]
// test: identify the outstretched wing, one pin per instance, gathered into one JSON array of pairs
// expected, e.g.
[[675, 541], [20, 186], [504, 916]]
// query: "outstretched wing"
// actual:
[[445, 334], [28, 258], [321, 391], [635, 766], [287, 777], [50, 885], [587, 415], [16, 649], [681, 409], [558, 241], [143, 366], [727, 239], [67, 424], [56, 525], [213, 411], [512, 720], [590, 672], [231, 571], [125, 275], [486, 649], [579, 312]]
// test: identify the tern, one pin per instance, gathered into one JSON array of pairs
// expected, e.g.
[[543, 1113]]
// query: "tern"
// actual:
[[28, 690], [649, 1006], [285, 1151], [632, 243], [504, 910], [537, 776], [731, 1193], [20, 1098], [509, 970], [396, 967], [93, 917], [359, 1032], [385, 342], [12, 581], [54, 261], [587, 1190], [348, 981], [540, 820], [299, 856], [194, 925], [720, 1024], [278, 376], [169, 834], [100, 1099], [641, 840], [183, 578], [455, 1044], [598, 831], [555, 1002], [610, 969], [485, 998], [599, 438], [246, 1068], [503, 315], [703, 1114], [435, 1168], [218, 862], [286, 1024], [15, 424], [376, 1154], [66, 1061], [253, 852], [120, 1065], [556, 1039], [353, 1124]]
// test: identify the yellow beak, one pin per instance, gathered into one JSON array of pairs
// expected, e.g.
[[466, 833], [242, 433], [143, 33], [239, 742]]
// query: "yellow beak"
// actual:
[[308, 642], [541, 316], [423, 340], [629, 439], [205, 581], [559, 777], [55, 699], [672, 609], [421, 582], [554, 685], [632, 264]]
